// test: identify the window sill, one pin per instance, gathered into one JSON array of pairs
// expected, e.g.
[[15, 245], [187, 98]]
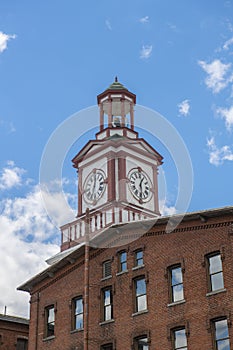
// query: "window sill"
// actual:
[[176, 303], [121, 273], [49, 338], [106, 278], [106, 322], [140, 313], [216, 292], [138, 267], [76, 330]]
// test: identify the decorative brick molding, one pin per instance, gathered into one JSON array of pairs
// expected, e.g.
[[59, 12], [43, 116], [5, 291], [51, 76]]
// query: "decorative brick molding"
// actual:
[[176, 325], [217, 314], [230, 229]]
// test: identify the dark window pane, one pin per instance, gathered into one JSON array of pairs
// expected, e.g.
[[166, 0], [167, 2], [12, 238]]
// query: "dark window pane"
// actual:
[[22, 344], [107, 347], [142, 344], [50, 321], [107, 269], [50, 329]]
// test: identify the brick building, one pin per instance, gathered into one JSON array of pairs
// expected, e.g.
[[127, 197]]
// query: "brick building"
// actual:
[[13, 332], [122, 280]]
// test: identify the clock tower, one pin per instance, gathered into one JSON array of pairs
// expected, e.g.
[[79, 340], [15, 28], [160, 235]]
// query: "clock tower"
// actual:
[[117, 171]]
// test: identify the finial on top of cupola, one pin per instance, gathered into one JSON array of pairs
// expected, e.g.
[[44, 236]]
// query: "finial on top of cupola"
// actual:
[[116, 79]]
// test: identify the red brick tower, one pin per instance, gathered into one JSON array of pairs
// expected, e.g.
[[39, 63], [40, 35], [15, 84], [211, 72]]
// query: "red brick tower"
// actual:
[[117, 172]]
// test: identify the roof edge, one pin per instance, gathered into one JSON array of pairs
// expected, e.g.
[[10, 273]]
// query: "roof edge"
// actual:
[[78, 251]]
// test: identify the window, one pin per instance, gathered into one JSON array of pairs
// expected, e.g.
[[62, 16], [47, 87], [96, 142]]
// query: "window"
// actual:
[[176, 283], [77, 313], [139, 258], [107, 304], [215, 272], [22, 344], [107, 347], [107, 270], [50, 321], [122, 261], [221, 335], [179, 339], [141, 343], [140, 294]]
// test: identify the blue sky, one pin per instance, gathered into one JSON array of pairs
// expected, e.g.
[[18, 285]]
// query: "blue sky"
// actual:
[[56, 56]]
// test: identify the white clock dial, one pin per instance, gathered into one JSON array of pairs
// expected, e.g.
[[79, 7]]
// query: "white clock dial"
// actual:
[[94, 186], [140, 185]]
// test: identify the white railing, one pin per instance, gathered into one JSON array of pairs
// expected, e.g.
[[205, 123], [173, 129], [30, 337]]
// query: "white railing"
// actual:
[[75, 230]]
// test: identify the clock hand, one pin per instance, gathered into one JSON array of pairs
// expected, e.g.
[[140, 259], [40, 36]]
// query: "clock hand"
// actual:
[[140, 186], [94, 186]]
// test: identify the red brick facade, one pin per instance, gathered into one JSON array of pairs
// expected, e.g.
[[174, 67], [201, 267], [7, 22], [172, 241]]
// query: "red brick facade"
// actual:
[[13, 333], [150, 289], [187, 248]]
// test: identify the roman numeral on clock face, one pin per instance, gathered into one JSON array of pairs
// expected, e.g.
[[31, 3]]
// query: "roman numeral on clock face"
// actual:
[[94, 186], [139, 185]]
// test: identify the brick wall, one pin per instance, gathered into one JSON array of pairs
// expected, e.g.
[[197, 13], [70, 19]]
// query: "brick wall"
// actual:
[[187, 246], [12, 329]]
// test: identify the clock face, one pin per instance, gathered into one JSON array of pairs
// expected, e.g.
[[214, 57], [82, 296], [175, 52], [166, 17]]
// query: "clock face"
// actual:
[[140, 185], [94, 186]]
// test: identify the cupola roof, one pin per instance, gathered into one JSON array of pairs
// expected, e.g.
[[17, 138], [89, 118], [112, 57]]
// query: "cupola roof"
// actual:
[[116, 85]]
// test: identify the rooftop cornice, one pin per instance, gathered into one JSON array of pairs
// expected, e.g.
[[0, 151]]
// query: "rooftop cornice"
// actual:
[[14, 319], [150, 224]]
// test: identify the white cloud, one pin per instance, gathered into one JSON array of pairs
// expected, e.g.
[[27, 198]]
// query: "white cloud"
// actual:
[[144, 19], [226, 114], [146, 51], [4, 38], [28, 238], [56, 209], [227, 44], [166, 209], [217, 156], [10, 176], [108, 24], [216, 74], [184, 108]]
